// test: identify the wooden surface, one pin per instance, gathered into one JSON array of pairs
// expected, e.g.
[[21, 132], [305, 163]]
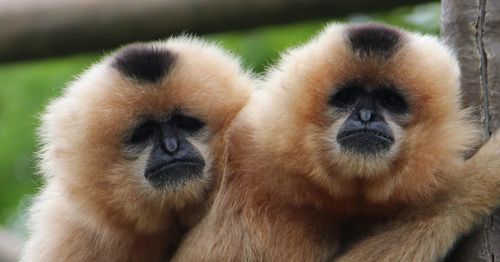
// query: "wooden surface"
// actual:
[[472, 28], [43, 28]]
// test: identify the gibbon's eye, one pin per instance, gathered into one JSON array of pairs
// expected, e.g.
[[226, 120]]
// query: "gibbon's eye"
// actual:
[[186, 123], [143, 132], [346, 97], [393, 102]]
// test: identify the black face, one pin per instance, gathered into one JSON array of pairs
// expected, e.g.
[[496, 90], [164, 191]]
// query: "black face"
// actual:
[[365, 130], [173, 159]]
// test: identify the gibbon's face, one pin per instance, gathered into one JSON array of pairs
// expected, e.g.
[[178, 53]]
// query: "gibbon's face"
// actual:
[[141, 127], [370, 115], [172, 159], [367, 100]]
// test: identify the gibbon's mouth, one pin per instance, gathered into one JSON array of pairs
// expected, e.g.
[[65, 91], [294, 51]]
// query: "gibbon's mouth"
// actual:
[[366, 131], [365, 141], [175, 172], [174, 163]]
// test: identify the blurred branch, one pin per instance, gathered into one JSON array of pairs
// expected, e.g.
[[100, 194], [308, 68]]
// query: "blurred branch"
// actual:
[[10, 246], [33, 29]]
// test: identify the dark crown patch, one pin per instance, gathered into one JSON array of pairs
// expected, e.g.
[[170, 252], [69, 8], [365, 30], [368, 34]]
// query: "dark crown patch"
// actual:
[[144, 63], [374, 39]]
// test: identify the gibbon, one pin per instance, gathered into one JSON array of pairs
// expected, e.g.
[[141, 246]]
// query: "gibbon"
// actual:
[[130, 149], [359, 128]]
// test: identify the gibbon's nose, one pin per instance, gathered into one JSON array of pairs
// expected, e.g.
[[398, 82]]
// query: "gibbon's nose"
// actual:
[[171, 144], [365, 115]]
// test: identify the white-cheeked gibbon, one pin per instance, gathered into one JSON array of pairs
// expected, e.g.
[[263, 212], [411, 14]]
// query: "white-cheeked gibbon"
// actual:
[[353, 149], [130, 149]]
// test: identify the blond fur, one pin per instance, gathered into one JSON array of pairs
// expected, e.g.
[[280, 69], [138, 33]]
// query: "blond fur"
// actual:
[[288, 190], [427, 232], [96, 204]]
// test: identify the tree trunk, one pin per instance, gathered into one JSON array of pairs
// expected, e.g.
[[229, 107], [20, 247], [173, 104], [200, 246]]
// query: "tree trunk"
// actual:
[[470, 27], [44, 28]]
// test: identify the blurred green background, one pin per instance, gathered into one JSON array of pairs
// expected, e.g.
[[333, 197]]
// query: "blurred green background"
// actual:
[[25, 88]]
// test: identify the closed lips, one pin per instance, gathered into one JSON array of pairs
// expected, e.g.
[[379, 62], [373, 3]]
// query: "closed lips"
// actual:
[[366, 131]]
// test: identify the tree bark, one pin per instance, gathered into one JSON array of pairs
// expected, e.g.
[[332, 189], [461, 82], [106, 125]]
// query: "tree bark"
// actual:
[[470, 27], [33, 29]]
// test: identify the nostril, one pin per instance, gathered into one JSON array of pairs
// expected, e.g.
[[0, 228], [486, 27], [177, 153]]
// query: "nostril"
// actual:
[[171, 144], [365, 115]]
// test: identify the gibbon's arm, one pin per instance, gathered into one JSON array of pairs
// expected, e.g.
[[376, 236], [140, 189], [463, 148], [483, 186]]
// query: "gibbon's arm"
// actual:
[[428, 232]]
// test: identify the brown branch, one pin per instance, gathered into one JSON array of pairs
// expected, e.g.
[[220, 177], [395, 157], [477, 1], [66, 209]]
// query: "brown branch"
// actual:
[[32, 29]]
